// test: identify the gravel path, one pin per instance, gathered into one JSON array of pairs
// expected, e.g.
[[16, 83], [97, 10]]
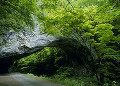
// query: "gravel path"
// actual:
[[21, 80]]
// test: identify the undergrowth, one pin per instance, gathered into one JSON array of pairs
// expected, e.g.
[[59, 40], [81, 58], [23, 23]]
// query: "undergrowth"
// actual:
[[66, 81], [80, 81]]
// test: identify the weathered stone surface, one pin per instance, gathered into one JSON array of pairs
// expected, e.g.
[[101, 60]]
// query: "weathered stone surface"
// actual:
[[23, 42]]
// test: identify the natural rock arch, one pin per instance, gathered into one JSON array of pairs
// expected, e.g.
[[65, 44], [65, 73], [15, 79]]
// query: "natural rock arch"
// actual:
[[19, 45]]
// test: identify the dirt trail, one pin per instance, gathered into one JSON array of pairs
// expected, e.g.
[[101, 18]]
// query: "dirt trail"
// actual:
[[17, 79]]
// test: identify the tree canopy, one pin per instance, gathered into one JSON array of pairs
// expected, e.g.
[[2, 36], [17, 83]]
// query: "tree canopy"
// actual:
[[97, 20]]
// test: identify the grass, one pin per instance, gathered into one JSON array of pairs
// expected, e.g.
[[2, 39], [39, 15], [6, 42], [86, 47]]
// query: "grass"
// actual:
[[66, 82], [82, 81]]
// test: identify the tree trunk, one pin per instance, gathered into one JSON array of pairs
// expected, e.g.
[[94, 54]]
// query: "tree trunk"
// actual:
[[101, 77]]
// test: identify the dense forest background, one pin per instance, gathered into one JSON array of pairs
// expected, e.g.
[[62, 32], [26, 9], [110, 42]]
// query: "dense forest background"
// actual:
[[95, 21]]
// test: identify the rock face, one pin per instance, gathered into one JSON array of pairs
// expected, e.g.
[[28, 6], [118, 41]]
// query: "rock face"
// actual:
[[23, 42]]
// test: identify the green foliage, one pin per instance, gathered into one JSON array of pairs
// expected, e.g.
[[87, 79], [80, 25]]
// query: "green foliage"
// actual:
[[17, 14], [96, 20], [64, 72], [85, 3], [111, 67], [100, 22], [115, 2], [44, 62], [67, 81]]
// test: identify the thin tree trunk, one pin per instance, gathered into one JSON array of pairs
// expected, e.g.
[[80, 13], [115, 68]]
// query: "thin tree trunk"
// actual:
[[100, 64]]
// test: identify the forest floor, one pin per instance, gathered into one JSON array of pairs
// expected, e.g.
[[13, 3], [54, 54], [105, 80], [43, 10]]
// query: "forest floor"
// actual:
[[17, 79]]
